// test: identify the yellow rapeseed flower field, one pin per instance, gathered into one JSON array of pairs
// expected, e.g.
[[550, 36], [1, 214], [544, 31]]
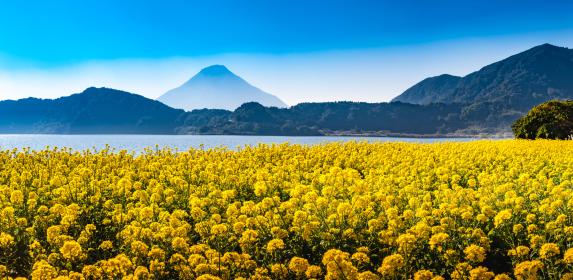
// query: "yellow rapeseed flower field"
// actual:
[[476, 210]]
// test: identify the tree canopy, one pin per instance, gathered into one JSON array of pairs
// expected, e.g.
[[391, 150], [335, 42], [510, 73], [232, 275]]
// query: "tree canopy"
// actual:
[[549, 120]]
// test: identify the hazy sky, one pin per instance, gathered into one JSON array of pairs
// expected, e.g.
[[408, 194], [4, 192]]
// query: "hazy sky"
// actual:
[[301, 50]]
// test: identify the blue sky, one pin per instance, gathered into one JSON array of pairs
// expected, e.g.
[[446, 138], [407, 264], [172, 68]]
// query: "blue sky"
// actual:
[[299, 50]]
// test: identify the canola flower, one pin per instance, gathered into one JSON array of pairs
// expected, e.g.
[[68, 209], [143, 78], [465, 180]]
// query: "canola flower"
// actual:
[[476, 210]]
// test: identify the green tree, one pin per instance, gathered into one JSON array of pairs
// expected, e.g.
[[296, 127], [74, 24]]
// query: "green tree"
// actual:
[[549, 120]]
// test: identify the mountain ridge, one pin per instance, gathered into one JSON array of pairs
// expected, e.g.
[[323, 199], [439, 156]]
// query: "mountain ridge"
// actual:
[[428, 88], [522, 80], [95, 110]]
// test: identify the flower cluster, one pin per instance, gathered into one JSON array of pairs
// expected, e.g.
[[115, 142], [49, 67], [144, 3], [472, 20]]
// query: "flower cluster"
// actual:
[[476, 210]]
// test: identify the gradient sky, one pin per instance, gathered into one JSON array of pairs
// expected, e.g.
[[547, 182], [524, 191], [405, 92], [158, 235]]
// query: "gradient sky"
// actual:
[[299, 50]]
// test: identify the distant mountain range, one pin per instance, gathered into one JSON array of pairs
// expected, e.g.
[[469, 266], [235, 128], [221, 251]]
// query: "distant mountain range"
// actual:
[[215, 87], [486, 101]]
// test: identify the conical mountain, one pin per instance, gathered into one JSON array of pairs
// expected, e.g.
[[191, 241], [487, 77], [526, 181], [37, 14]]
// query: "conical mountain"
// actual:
[[215, 87]]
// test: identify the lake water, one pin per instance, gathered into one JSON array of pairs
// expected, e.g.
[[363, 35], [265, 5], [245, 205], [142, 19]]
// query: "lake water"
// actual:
[[137, 143]]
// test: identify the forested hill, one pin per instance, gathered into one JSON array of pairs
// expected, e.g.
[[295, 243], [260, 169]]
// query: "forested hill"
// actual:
[[95, 110], [326, 118], [519, 82]]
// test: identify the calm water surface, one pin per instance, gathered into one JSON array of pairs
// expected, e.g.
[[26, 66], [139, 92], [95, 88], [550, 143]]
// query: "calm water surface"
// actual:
[[137, 143]]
